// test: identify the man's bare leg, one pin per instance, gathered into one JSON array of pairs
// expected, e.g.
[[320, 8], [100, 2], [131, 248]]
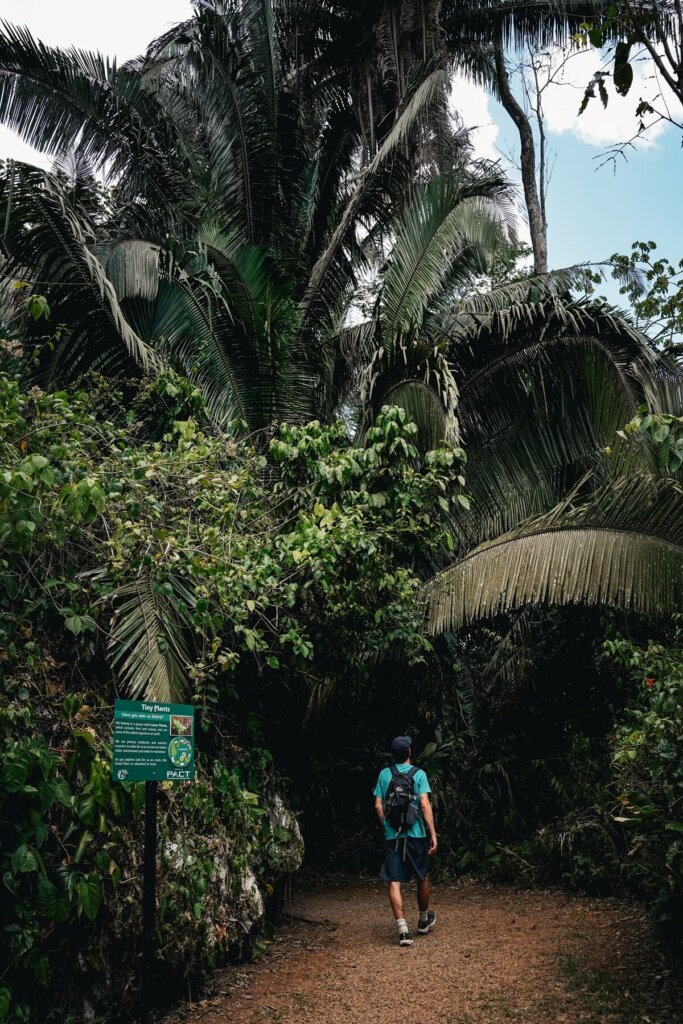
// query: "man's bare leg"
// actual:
[[423, 892], [396, 900]]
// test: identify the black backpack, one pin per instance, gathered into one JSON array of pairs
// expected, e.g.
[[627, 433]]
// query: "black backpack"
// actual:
[[400, 805]]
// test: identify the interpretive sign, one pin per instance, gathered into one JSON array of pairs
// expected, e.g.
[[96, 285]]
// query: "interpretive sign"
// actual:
[[153, 742]]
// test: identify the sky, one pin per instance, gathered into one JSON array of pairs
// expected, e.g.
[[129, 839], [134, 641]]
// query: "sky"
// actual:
[[593, 211], [121, 29]]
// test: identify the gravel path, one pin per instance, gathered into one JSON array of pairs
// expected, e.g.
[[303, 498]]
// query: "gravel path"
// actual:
[[495, 956]]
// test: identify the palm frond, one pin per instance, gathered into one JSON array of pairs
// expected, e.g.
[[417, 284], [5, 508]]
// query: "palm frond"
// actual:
[[623, 547], [150, 637], [193, 328], [446, 228], [133, 266], [345, 356], [668, 384], [315, 302], [260, 25], [425, 409], [234, 60], [532, 340], [516, 296], [46, 234], [518, 21], [417, 374], [231, 329], [71, 101], [540, 405]]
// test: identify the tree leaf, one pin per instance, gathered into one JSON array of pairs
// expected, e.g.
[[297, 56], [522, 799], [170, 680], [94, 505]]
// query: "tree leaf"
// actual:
[[5, 1002], [622, 547], [623, 72], [89, 892], [53, 904], [25, 859]]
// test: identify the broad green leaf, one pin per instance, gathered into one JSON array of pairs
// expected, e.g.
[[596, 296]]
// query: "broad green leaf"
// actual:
[[54, 904], [83, 844], [89, 892], [25, 859]]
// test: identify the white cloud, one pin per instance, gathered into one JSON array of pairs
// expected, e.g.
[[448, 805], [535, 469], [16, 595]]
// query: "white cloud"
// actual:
[[121, 29], [14, 148], [472, 103], [599, 126]]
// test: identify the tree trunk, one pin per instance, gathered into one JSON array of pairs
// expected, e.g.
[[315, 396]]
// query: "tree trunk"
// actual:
[[537, 224]]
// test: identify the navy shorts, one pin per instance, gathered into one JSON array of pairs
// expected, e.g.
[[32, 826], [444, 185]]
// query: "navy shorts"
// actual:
[[404, 860]]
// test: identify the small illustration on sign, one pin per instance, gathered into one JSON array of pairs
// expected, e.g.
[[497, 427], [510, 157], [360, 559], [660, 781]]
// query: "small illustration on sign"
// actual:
[[181, 725], [180, 752]]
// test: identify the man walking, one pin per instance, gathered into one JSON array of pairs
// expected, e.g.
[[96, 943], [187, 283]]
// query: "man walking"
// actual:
[[403, 808]]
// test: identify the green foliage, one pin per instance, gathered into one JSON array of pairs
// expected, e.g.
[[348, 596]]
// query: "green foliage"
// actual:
[[62, 849], [633, 32], [343, 531], [647, 756], [654, 287], [615, 21], [70, 857], [666, 433], [231, 571]]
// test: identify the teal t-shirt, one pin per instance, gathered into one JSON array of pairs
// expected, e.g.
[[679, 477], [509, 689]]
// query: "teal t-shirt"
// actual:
[[420, 785]]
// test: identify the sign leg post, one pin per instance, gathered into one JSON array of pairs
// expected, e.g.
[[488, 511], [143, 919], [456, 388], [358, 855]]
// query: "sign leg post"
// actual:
[[149, 892]]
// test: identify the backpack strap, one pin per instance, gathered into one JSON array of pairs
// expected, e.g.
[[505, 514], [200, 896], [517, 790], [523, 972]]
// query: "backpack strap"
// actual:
[[410, 774]]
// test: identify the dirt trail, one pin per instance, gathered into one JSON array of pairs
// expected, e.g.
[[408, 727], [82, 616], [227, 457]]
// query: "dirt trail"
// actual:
[[495, 956]]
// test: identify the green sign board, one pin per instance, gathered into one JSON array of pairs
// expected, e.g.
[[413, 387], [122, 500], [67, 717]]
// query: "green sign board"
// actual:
[[153, 742]]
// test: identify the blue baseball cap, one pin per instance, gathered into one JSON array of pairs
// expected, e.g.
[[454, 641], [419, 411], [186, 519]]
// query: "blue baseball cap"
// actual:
[[400, 747]]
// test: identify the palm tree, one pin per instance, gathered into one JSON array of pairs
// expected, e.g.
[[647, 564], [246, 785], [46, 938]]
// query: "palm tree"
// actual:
[[238, 217], [372, 50], [537, 387], [566, 509], [540, 387]]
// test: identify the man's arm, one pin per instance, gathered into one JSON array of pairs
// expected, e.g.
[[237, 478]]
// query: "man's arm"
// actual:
[[379, 809], [428, 815]]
